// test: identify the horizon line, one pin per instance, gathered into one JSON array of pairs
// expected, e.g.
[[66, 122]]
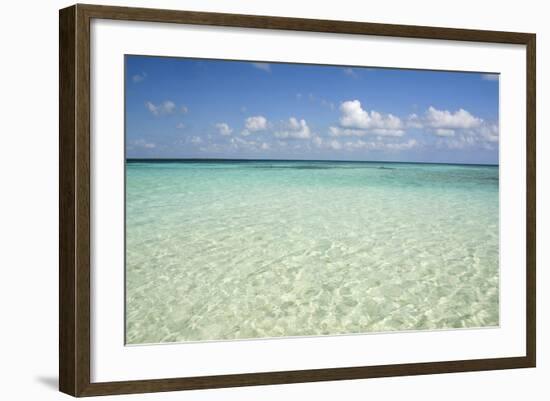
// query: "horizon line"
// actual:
[[176, 159]]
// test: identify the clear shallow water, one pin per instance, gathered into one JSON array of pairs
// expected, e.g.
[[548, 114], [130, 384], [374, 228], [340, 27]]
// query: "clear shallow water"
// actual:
[[234, 250]]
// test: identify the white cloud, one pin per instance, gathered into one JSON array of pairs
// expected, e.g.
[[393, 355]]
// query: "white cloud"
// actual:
[[486, 136], [139, 77], [457, 130], [414, 121], [383, 146], [317, 141], [460, 142], [166, 107], [380, 145], [377, 144], [142, 143], [490, 77], [297, 129], [337, 131], [254, 124], [180, 126], [334, 144], [388, 132], [448, 120], [360, 122], [262, 66], [490, 132], [239, 143], [411, 143], [195, 140], [460, 119], [444, 132], [224, 129]]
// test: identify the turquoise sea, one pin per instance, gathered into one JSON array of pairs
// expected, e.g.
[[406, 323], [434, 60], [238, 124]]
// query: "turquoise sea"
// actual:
[[219, 250]]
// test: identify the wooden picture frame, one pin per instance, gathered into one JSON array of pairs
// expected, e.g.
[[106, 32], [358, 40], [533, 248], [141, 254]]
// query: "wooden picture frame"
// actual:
[[74, 200]]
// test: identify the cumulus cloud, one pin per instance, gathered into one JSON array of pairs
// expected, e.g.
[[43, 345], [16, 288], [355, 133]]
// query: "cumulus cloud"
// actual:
[[444, 132], [254, 124], [414, 121], [485, 136], [294, 128], [166, 107], [262, 66], [456, 130], [224, 129], [490, 132], [334, 144], [139, 77], [460, 119], [357, 121], [444, 122]]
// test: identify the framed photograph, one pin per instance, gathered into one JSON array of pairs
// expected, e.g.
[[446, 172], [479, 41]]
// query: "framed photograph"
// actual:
[[249, 200]]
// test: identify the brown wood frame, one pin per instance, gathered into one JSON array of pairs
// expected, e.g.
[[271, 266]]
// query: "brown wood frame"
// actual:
[[74, 200]]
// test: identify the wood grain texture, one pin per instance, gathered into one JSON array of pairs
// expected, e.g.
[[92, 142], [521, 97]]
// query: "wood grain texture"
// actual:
[[301, 24], [531, 202], [67, 131], [82, 148], [301, 376], [74, 199]]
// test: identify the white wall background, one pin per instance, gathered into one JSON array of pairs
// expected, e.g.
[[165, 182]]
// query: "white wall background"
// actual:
[[28, 198]]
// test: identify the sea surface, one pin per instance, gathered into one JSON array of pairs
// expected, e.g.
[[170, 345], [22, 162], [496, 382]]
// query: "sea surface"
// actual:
[[221, 250]]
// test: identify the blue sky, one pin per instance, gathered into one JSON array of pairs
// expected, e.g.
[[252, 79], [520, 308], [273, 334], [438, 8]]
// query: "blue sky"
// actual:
[[198, 108]]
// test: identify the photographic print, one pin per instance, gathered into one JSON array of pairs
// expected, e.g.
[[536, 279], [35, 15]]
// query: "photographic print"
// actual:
[[268, 200]]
